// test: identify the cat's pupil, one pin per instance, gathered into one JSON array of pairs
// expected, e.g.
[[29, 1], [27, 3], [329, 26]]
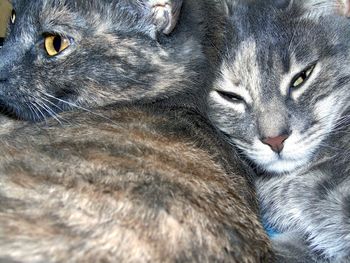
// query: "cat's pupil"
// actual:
[[57, 42], [302, 77]]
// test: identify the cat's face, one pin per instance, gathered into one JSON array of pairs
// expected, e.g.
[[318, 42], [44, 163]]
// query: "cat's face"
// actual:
[[284, 85], [61, 54]]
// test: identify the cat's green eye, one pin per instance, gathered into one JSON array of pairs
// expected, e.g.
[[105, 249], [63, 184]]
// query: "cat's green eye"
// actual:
[[55, 44], [302, 77], [13, 17]]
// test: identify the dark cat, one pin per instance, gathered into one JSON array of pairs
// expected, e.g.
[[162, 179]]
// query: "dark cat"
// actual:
[[48, 62], [147, 183], [283, 99], [144, 186]]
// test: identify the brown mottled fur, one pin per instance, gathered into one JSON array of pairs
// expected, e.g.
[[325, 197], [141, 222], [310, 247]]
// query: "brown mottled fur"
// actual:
[[141, 184], [140, 187]]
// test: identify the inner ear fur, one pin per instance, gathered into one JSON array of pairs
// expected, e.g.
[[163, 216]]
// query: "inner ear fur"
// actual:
[[344, 7], [165, 14], [340, 7]]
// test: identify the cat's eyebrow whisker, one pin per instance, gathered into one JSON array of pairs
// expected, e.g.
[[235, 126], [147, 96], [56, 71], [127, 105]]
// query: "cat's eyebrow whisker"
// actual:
[[293, 37]]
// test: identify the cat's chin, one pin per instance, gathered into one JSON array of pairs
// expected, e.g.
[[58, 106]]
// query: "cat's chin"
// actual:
[[292, 158], [282, 166], [279, 164], [268, 161]]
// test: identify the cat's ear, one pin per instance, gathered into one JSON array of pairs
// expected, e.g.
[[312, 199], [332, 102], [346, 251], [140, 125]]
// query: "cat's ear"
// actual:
[[339, 7], [283, 4], [164, 14], [229, 7], [344, 7]]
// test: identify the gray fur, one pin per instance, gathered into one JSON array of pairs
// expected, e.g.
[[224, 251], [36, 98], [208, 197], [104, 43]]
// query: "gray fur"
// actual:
[[136, 60], [146, 183], [306, 187]]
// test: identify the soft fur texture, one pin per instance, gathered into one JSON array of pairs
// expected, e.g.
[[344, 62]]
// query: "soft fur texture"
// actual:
[[118, 52], [141, 187], [146, 183], [304, 188]]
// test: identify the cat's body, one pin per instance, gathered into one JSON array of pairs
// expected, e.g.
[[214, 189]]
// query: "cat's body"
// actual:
[[126, 183], [142, 187], [283, 99]]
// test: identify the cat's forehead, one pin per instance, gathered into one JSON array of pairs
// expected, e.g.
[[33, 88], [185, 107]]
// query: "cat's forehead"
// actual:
[[270, 48], [77, 12], [52, 7], [277, 40]]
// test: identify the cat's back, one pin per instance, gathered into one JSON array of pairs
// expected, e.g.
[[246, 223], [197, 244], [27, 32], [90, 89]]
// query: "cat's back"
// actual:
[[141, 187]]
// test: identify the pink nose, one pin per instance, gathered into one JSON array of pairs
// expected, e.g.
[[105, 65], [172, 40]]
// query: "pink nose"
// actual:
[[276, 143]]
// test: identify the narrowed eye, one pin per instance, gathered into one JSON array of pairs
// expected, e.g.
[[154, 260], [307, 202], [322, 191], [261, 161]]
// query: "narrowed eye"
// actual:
[[13, 16], [302, 77], [55, 44], [232, 97]]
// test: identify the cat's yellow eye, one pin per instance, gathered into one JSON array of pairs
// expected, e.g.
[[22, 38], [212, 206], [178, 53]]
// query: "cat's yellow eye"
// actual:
[[55, 44], [302, 77], [13, 17]]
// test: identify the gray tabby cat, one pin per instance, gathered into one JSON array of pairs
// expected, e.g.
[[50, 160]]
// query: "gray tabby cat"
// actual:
[[146, 183], [282, 98]]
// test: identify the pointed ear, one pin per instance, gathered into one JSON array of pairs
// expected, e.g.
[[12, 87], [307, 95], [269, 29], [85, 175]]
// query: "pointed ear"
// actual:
[[282, 4], [344, 7], [228, 7], [322, 7], [164, 14]]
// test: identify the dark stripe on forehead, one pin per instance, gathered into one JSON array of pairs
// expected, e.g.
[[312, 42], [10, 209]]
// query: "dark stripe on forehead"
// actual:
[[272, 58]]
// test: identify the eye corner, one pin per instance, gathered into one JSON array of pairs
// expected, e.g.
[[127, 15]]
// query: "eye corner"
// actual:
[[230, 96]]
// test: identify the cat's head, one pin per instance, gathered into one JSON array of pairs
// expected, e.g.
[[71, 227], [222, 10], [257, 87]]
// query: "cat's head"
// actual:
[[59, 54], [284, 83]]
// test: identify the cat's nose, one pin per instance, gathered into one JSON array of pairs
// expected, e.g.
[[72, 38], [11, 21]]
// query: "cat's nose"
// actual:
[[276, 143]]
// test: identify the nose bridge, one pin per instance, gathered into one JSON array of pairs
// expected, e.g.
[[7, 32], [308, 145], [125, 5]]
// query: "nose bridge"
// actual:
[[273, 119]]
